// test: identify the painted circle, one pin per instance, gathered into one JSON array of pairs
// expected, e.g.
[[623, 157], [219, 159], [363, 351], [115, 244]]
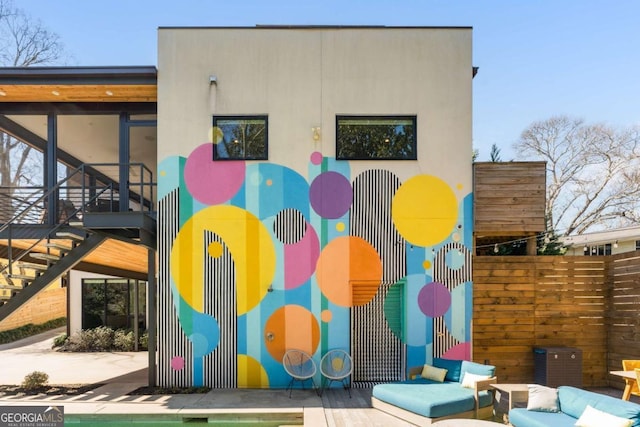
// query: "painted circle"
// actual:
[[211, 182], [434, 299], [426, 264], [289, 226], [316, 158], [326, 316], [340, 227], [251, 374], [291, 326], [331, 195], [456, 237], [177, 363], [454, 258], [349, 263], [215, 249], [424, 210]]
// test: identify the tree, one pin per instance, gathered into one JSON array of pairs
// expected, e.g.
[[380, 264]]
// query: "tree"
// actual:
[[593, 180], [24, 42], [494, 156]]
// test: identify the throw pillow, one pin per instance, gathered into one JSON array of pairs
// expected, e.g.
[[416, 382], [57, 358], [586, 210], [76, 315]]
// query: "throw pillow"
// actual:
[[432, 373], [469, 380], [452, 366], [542, 398], [591, 417]]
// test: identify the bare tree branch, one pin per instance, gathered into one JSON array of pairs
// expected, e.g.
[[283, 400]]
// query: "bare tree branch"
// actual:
[[592, 172]]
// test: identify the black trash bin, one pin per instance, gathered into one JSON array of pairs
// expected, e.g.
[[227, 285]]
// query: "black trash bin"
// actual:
[[556, 366]]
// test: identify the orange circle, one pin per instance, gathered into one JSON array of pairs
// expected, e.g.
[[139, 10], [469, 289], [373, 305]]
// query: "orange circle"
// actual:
[[349, 271], [291, 326], [326, 316]]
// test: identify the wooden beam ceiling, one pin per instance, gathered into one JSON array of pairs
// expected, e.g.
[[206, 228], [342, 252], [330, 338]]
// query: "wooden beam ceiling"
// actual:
[[78, 93]]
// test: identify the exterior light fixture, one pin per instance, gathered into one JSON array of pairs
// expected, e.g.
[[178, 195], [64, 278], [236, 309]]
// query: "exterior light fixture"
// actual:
[[316, 133], [495, 248], [55, 93], [109, 93]]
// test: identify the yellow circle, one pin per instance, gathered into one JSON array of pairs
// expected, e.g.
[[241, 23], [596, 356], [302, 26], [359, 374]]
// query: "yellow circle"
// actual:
[[215, 249], [426, 264], [459, 186], [424, 210], [340, 227], [215, 135], [163, 173]]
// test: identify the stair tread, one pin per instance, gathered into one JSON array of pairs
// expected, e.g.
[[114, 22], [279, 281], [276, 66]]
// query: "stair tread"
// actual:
[[14, 287], [31, 265], [69, 235], [59, 246], [48, 257], [22, 277]]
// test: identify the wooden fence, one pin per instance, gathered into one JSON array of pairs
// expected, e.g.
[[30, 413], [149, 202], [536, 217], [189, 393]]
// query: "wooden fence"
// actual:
[[592, 303]]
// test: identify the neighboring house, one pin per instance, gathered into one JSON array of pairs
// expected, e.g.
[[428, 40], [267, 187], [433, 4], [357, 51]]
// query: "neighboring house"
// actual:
[[315, 192], [607, 242]]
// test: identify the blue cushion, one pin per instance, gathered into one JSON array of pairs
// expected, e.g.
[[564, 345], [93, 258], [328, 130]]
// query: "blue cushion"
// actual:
[[452, 367], [428, 400], [520, 417], [476, 368], [573, 401]]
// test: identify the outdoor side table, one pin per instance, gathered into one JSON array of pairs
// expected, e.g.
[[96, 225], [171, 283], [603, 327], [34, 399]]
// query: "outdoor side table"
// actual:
[[514, 393]]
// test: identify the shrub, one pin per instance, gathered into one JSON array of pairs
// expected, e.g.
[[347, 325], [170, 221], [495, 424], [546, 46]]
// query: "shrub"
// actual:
[[103, 338], [30, 329], [35, 380], [60, 340], [123, 341], [144, 340]]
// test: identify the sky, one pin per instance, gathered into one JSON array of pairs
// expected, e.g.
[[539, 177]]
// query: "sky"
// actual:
[[537, 58]]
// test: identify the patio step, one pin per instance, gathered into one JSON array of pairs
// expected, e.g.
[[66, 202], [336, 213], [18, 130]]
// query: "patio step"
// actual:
[[22, 277]]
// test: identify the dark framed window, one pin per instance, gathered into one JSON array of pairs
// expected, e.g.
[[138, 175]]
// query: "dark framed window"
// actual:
[[240, 137], [376, 138], [111, 302]]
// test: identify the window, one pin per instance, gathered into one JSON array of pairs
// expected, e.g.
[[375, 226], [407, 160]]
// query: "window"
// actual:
[[240, 138], [637, 245], [376, 138], [111, 302], [598, 250]]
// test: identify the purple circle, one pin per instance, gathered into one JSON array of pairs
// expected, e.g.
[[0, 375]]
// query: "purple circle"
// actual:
[[434, 299], [331, 195], [316, 158]]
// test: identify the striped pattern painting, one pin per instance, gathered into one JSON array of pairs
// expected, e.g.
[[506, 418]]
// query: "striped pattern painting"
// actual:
[[173, 344], [378, 354], [221, 366]]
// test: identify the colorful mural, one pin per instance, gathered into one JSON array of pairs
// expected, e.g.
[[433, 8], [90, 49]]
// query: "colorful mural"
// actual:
[[258, 259]]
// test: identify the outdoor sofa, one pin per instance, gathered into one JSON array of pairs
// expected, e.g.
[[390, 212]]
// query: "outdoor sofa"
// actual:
[[439, 391], [571, 405]]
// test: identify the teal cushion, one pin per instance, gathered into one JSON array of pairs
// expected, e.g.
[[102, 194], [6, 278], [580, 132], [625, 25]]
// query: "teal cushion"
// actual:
[[573, 401], [428, 400], [452, 367], [476, 368], [520, 417]]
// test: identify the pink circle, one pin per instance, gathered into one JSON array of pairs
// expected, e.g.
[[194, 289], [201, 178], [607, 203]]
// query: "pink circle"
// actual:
[[177, 363], [212, 182], [301, 258], [434, 299], [331, 195], [316, 157]]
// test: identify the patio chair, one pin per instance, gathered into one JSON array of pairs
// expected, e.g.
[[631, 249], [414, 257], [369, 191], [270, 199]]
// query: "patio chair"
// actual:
[[336, 366], [630, 365], [300, 366]]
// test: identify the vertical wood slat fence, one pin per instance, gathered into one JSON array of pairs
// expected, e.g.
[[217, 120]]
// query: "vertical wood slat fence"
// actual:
[[592, 303]]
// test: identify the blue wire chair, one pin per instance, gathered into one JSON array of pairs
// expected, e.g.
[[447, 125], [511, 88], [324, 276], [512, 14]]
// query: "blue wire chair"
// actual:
[[300, 366], [336, 366]]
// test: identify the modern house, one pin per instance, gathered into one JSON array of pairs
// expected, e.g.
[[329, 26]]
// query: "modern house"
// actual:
[[606, 242], [314, 191]]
